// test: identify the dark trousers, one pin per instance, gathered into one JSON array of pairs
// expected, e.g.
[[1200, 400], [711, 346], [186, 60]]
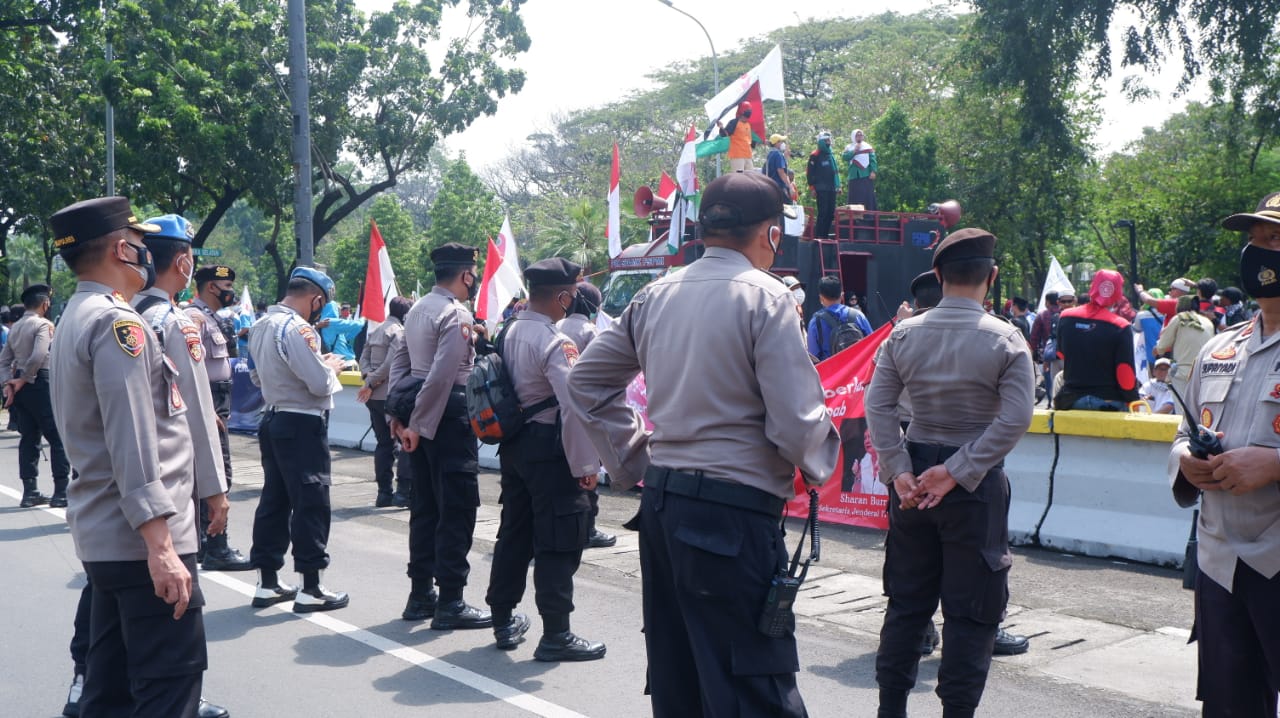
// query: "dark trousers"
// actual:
[[1238, 636], [386, 455], [544, 518], [141, 663], [33, 411], [958, 552], [222, 407], [826, 213], [705, 570], [80, 634], [294, 505], [442, 507], [863, 191]]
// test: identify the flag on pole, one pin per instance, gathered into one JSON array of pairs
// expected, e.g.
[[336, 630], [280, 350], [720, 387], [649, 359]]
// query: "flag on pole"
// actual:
[[667, 188], [613, 228], [379, 279], [502, 280], [762, 82], [685, 204], [1055, 281]]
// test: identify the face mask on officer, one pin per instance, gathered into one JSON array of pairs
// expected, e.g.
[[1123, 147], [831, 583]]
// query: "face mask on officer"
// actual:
[[1260, 271], [474, 288], [566, 309], [189, 271], [226, 297], [317, 306], [143, 265]]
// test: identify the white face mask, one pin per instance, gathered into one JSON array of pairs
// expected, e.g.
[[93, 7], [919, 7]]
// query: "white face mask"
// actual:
[[799, 296], [190, 270]]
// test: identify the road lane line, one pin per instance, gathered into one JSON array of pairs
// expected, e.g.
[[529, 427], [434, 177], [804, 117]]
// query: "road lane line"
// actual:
[[412, 656]]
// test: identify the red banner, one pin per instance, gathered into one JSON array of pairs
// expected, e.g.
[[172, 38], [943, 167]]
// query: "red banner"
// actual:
[[853, 495]]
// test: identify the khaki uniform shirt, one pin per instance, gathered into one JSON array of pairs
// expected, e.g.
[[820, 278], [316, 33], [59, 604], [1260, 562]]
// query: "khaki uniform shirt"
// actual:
[[27, 350], [579, 328], [217, 358], [731, 389], [971, 385], [124, 424], [375, 360], [1235, 390], [287, 364], [1185, 335], [438, 349], [180, 342], [538, 358]]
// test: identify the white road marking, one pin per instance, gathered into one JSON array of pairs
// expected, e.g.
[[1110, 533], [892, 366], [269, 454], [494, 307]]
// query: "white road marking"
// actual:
[[412, 656]]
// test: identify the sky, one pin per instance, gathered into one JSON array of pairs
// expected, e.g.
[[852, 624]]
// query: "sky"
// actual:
[[585, 53]]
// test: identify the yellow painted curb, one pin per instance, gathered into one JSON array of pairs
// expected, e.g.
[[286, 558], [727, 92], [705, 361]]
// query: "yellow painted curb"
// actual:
[[1115, 425]]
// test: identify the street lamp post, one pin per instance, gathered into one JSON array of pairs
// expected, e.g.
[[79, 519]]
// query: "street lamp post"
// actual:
[[715, 61], [1133, 252]]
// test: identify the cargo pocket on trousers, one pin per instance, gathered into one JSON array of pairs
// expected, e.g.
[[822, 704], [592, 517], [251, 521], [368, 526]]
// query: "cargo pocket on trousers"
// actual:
[[991, 593], [160, 647], [705, 562], [569, 530]]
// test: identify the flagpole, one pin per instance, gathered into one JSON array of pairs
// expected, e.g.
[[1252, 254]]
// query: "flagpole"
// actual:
[[715, 61]]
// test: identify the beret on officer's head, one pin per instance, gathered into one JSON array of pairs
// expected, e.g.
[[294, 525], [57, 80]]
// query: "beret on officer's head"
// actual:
[[76, 224], [213, 272], [1268, 211], [741, 199], [590, 293], [969, 243], [316, 277], [923, 281], [35, 290], [172, 226], [453, 254], [554, 272]]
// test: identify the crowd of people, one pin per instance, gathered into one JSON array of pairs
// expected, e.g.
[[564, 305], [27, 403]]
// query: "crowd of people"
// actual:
[[132, 385]]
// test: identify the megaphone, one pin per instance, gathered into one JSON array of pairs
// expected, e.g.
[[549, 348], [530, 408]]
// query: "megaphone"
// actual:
[[949, 211], [645, 203]]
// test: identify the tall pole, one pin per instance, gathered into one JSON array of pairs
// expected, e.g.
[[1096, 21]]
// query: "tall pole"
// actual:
[[110, 118], [300, 101], [715, 61]]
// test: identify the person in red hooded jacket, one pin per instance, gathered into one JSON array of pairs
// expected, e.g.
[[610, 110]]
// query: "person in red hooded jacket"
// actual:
[[1096, 346]]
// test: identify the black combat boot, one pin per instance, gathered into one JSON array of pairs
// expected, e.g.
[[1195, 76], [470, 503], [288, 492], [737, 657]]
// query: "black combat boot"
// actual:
[[30, 496]]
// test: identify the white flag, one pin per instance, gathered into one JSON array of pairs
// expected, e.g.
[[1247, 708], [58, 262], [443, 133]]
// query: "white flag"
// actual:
[[1055, 281]]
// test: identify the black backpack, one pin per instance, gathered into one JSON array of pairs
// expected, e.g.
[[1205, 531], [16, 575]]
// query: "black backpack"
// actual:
[[841, 334], [493, 408]]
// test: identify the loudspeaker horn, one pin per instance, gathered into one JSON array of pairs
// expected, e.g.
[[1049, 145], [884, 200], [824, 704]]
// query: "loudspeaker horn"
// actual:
[[949, 211], [645, 203]]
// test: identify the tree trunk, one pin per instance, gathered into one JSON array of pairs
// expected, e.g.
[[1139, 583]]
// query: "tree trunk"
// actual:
[[330, 212], [273, 248], [221, 204]]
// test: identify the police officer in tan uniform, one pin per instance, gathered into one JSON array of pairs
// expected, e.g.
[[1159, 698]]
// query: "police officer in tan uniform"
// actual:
[[117, 402], [580, 326], [214, 292], [1235, 391], [728, 436], [298, 385], [375, 365], [444, 453], [24, 373], [970, 380], [548, 468]]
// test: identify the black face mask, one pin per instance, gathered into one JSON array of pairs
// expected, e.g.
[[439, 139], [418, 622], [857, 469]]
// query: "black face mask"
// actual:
[[474, 288], [314, 316], [1260, 272], [146, 267], [226, 297]]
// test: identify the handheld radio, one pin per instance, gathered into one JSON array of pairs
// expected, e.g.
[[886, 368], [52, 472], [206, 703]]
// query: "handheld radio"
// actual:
[[1201, 439]]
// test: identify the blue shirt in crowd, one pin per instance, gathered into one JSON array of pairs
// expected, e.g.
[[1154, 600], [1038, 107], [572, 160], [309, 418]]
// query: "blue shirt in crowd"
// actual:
[[819, 332]]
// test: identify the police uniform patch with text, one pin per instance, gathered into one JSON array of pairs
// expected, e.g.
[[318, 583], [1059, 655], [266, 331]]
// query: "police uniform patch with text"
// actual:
[[130, 335], [1227, 352], [195, 347], [570, 352], [309, 335]]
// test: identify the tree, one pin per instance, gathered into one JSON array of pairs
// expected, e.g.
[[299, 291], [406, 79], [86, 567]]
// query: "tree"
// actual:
[[577, 235], [914, 178], [465, 211], [348, 257]]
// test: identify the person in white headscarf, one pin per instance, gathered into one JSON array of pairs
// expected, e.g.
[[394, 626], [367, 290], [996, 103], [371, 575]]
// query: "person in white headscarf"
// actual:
[[861, 158]]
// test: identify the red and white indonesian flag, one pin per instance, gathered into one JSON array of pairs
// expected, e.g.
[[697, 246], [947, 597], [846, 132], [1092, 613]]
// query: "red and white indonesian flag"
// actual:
[[379, 279], [613, 229], [762, 82], [685, 206], [502, 280], [667, 188]]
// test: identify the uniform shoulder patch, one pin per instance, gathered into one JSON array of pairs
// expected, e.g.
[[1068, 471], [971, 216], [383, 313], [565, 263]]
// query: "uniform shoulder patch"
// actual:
[[570, 352], [309, 334], [130, 335], [195, 347]]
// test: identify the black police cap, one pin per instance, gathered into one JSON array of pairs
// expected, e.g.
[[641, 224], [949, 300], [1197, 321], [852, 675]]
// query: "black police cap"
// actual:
[[923, 281], [78, 223], [741, 199], [34, 290], [215, 272], [552, 273], [453, 254], [970, 243]]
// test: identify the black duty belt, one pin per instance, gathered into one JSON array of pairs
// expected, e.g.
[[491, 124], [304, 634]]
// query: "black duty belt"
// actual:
[[714, 491], [221, 385]]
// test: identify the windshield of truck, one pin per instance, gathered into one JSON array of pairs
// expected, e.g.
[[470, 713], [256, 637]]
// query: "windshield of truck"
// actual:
[[621, 288]]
